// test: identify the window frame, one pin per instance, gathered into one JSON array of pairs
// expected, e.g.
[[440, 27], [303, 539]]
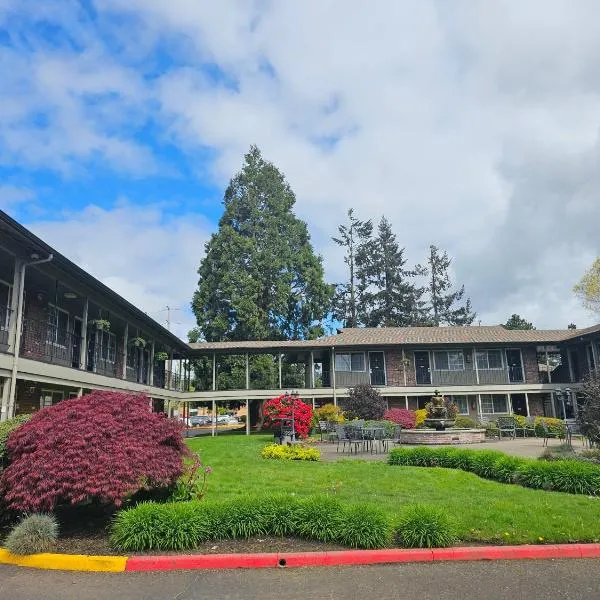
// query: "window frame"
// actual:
[[106, 349], [447, 353], [486, 353], [5, 319], [494, 411], [466, 398], [350, 370], [54, 327]]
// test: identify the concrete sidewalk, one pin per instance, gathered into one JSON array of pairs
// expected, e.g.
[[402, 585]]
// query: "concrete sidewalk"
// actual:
[[526, 447], [508, 580]]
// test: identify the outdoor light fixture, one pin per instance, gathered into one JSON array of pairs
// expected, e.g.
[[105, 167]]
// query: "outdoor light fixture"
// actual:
[[70, 295]]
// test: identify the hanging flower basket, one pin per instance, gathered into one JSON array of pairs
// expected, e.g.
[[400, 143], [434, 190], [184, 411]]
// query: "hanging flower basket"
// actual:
[[101, 324], [139, 342], [161, 356]]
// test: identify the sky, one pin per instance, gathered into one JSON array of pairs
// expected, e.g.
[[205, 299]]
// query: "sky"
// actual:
[[470, 125]]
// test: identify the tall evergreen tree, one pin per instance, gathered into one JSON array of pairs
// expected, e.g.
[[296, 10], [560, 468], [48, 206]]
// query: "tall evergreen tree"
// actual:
[[517, 322], [445, 306], [353, 237], [260, 278], [388, 294]]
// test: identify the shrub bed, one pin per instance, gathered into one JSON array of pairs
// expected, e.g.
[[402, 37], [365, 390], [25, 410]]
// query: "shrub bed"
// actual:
[[401, 416], [569, 476], [555, 426], [6, 428], [185, 525], [294, 452]]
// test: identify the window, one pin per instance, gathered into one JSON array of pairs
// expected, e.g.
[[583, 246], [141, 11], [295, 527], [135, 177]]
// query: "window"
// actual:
[[58, 325], [354, 361], [489, 359], [449, 361], [5, 297], [493, 403], [108, 346], [462, 403]]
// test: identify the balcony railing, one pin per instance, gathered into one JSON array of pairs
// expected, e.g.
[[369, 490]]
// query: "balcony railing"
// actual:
[[5, 316]]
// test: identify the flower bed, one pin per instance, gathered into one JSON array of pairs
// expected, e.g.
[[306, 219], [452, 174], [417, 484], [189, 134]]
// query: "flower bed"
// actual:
[[293, 452], [570, 476]]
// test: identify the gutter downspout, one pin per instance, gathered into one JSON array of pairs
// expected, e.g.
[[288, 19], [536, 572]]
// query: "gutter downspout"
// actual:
[[8, 412]]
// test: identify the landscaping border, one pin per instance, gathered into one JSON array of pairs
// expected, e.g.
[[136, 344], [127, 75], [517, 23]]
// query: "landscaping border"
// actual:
[[119, 564]]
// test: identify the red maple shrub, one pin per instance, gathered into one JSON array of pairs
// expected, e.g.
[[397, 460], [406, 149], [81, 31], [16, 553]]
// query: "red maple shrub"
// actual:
[[280, 408], [102, 447], [401, 416]]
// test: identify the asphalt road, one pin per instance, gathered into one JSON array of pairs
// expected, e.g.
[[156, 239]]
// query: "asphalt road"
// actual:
[[508, 580]]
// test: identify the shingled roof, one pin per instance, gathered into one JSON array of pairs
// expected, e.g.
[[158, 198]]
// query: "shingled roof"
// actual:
[[390, 336]]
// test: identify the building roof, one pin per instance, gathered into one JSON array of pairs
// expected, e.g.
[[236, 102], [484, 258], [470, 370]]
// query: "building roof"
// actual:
[[407, 336]]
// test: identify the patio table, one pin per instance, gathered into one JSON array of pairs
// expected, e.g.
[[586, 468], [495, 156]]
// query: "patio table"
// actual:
[[372, 435]]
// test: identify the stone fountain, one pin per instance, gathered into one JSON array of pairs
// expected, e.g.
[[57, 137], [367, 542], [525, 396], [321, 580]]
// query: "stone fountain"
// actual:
[[439, 415]]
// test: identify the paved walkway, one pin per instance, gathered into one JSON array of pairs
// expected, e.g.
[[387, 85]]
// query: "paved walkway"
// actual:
[[527, 447], [510, 580]]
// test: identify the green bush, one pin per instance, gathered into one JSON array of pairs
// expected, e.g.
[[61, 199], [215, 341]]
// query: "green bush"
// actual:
[[6, 428], [555, 426], [293, 452], [466, 423], [389, 427], [593, 455], [422, 526], [185, 525], [35, 533], [571, 476]]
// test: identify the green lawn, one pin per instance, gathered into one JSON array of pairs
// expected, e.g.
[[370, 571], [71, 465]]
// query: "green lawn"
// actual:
[[486, 511]]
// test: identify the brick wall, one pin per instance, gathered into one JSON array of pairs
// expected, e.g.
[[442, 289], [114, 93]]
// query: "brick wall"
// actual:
[[530, 364], [536, 405], [394, 368]]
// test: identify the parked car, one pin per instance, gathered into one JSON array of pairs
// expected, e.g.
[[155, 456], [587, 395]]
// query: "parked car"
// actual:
[[200, 420]]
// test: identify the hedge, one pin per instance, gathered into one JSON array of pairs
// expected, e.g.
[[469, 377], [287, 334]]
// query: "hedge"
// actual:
[[571, 476], [294, 452], [185, 525]]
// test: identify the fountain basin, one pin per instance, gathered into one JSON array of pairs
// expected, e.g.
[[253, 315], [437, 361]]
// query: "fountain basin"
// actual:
[[434, 437]]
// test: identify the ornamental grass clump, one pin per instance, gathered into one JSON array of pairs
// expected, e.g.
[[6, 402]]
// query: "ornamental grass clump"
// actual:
[[34, 534], [423, 526], [364, 526], [101, 448]]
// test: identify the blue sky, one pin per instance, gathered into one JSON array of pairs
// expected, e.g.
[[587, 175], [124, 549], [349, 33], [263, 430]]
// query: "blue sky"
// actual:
[[475, 129]]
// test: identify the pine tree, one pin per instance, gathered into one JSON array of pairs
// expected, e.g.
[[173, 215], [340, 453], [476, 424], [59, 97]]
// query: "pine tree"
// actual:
[[352, 237], [517, 322], [260, 278], [442, 301], [388, 295]]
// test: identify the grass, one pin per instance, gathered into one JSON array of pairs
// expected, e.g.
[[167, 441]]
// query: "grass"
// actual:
[[485, 511]]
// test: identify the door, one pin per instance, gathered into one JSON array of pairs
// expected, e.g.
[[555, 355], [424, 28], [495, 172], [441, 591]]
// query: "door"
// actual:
[[519, 404], [422, 369], [515, 366], [377, 368], [574, 356]]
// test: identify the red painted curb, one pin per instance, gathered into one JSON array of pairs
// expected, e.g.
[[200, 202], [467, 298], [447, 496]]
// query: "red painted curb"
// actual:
[[358, 557]]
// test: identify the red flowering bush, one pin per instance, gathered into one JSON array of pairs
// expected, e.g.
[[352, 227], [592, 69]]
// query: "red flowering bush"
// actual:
[[401, 416], [280, 408], [102, 447]]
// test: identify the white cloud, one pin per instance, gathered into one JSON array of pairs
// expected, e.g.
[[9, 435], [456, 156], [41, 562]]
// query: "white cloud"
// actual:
[[473, 126], [142, 253]]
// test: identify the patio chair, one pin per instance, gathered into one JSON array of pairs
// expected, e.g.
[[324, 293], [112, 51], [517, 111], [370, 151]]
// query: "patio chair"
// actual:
[[507, 425], [394, 438], [323, 428], [574, 430], [355, 437], [550, 434], [528, 428], [341, 437]]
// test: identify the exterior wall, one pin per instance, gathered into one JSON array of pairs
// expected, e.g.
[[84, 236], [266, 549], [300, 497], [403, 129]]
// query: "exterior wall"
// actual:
[[530, 364], [536, 405], [394, 368], [28, 395]]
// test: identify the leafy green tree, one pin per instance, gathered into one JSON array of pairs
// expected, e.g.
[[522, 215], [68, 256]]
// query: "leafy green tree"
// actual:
[[517, 322], [572, 326], [445, 308], [388, 295], [260, 278], [353, 237], [588, 287], [364, 402]]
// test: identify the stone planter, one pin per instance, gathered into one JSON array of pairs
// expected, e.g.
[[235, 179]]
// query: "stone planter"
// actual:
[[435, 437]]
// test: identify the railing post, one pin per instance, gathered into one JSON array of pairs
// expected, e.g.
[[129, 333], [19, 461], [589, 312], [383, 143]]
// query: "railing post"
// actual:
[[527, 403], [214, 371], [125, 342], [279, 364], [14, 305], [332, 376], [247, 372], [474, 350], [151, 365], [84, 329]]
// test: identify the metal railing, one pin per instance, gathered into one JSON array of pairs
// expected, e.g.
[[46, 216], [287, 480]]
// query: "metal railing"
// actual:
[[47, 343], [5, 318]]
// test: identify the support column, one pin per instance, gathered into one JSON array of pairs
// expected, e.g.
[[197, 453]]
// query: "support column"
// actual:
[[125, 343], [333, 376], [5, 393], [596, 357], [476, 366], [170, 376], [214, 381], [247, 416], [314, 406], [404, 371], [214, 418], [79, 392], [279, 362], [311, 366], [510, 406], [548, 368], [151, 365], [14, 304], [527, 403], [479, 406], [247, 372], [571, 376], [552, 406], [406, 402], [84, 332]]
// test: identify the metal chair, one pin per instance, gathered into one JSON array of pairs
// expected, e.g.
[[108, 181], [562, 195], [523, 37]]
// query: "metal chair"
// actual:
[[323, 428], [550, 434], [507, 425], [394, 438], [528, 428], [355, 437], [341, 437]]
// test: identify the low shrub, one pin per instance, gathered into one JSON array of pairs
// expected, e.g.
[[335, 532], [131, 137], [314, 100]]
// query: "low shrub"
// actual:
[[555, 426], [571, 476], [6, 428], [329, 412], [193, 483], [293, 452], [401, 416], [422, 526], [561, 452], [35, 533], [593, 455], [185, 525], [388, 427], [463, 422], [420, 416], [281, 408]]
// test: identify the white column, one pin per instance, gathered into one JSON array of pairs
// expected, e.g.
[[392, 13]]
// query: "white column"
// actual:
[[247, 372], [311, 370], [314, 406], [247, 416], [479, 406], [332, 375], [548, 367], [5, 392], [510, 407], [279, 362], [476, 366], [14, 304], [79, 392], [527, 404], [125, 342], [214, 417], [552, 406], [406, 402], [151, 365], [214, 381], [84, 331]]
